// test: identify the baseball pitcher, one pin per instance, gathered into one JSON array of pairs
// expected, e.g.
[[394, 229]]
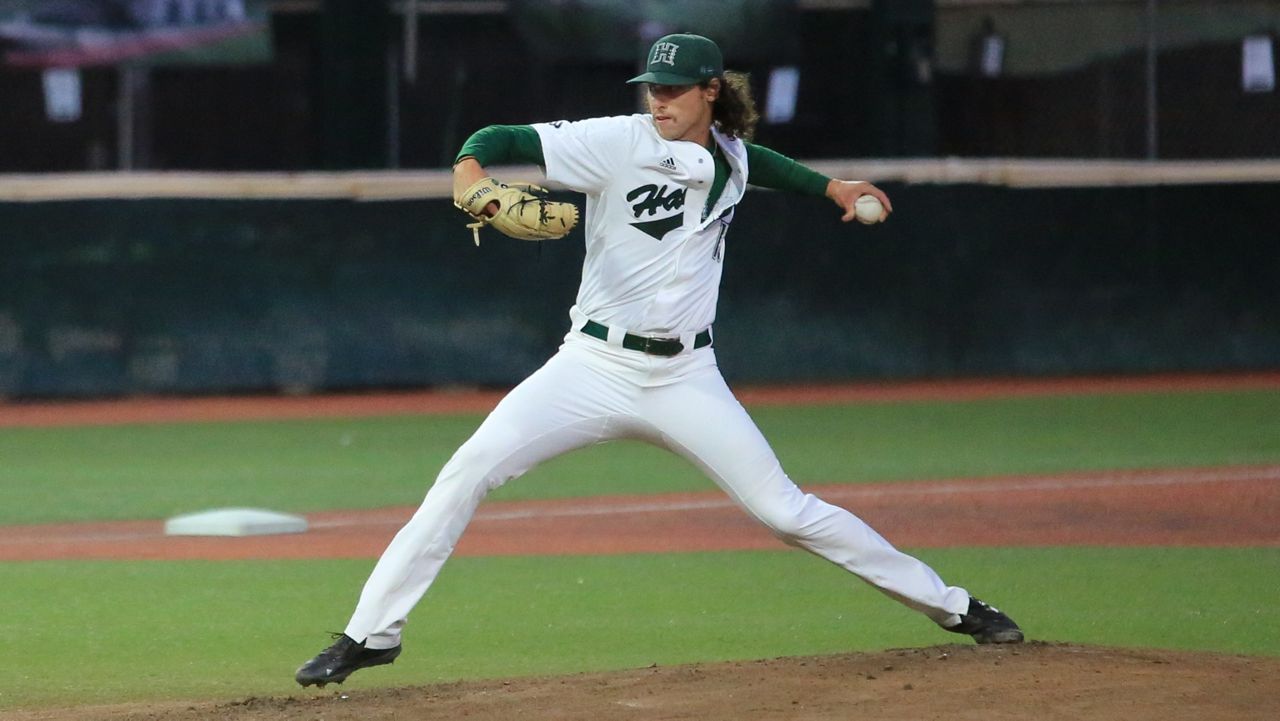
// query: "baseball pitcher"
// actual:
[[639, 358]]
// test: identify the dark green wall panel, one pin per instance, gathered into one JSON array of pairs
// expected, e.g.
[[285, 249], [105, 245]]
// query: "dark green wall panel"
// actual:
[[190, 296]]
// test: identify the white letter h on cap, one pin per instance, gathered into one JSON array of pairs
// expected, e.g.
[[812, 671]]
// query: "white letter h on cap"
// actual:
[[664, 53]]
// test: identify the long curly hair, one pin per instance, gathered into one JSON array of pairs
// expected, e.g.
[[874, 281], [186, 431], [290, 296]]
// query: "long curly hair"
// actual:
[[735, 111]]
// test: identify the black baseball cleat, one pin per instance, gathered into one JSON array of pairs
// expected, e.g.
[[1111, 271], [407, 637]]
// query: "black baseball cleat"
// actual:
[[343, 658], [987, 624]]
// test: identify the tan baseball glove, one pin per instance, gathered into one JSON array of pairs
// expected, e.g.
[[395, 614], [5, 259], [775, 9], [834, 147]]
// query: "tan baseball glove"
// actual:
[[523, 210]]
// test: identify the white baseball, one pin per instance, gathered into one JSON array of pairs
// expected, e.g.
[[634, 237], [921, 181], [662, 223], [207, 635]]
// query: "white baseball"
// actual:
[[868, 209]]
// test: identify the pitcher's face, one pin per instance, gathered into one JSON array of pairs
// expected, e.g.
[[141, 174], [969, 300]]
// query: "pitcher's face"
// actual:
[[683, 112]]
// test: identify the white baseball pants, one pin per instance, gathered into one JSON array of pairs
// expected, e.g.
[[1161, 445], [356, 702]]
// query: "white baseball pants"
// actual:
[[590, 392]]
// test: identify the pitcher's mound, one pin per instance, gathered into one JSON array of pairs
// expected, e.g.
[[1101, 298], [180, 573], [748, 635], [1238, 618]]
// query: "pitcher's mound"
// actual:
[[955, 683]]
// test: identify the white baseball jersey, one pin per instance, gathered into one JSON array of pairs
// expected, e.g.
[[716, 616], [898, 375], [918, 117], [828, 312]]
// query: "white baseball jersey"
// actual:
[[652, 267], [654, 249]]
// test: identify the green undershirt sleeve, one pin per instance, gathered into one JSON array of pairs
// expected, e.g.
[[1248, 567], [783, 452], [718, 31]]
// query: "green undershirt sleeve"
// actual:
[[498, 144], [771, 169]]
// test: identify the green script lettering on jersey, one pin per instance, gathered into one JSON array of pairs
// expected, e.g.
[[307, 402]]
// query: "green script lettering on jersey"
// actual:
[[657, 198]]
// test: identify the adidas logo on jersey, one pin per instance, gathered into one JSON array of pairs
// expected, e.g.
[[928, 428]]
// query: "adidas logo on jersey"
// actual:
[[668, 164]]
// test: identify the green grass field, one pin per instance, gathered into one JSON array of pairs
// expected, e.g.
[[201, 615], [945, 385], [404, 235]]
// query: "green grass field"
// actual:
[[155, 471], [92, 632], [111, 631]]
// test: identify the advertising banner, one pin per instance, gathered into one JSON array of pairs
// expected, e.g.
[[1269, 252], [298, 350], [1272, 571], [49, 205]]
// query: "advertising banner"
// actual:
[[80, 33]]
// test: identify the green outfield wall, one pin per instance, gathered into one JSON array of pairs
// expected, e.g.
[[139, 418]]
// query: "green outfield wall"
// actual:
[[119, 297]]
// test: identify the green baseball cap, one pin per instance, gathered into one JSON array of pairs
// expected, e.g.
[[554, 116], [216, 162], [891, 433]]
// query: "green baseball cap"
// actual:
[[682, 59]]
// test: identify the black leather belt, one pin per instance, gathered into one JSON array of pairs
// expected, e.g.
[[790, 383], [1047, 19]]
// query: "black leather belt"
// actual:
[[645, 344]]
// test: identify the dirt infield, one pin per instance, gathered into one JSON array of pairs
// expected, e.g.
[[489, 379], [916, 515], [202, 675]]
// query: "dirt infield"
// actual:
[[1236, 506], [181, 410], [1232, 506], [1155, 507], [956, 683]]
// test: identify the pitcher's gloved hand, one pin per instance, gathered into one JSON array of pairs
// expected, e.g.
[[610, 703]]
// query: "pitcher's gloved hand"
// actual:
[[523, 212]]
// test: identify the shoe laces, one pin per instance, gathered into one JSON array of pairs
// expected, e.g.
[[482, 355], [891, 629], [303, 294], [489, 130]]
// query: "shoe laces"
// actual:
[[341, 646], [983, 607]]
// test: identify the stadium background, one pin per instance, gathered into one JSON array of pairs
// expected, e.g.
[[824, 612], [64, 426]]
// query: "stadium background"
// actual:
[[103, 296]]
